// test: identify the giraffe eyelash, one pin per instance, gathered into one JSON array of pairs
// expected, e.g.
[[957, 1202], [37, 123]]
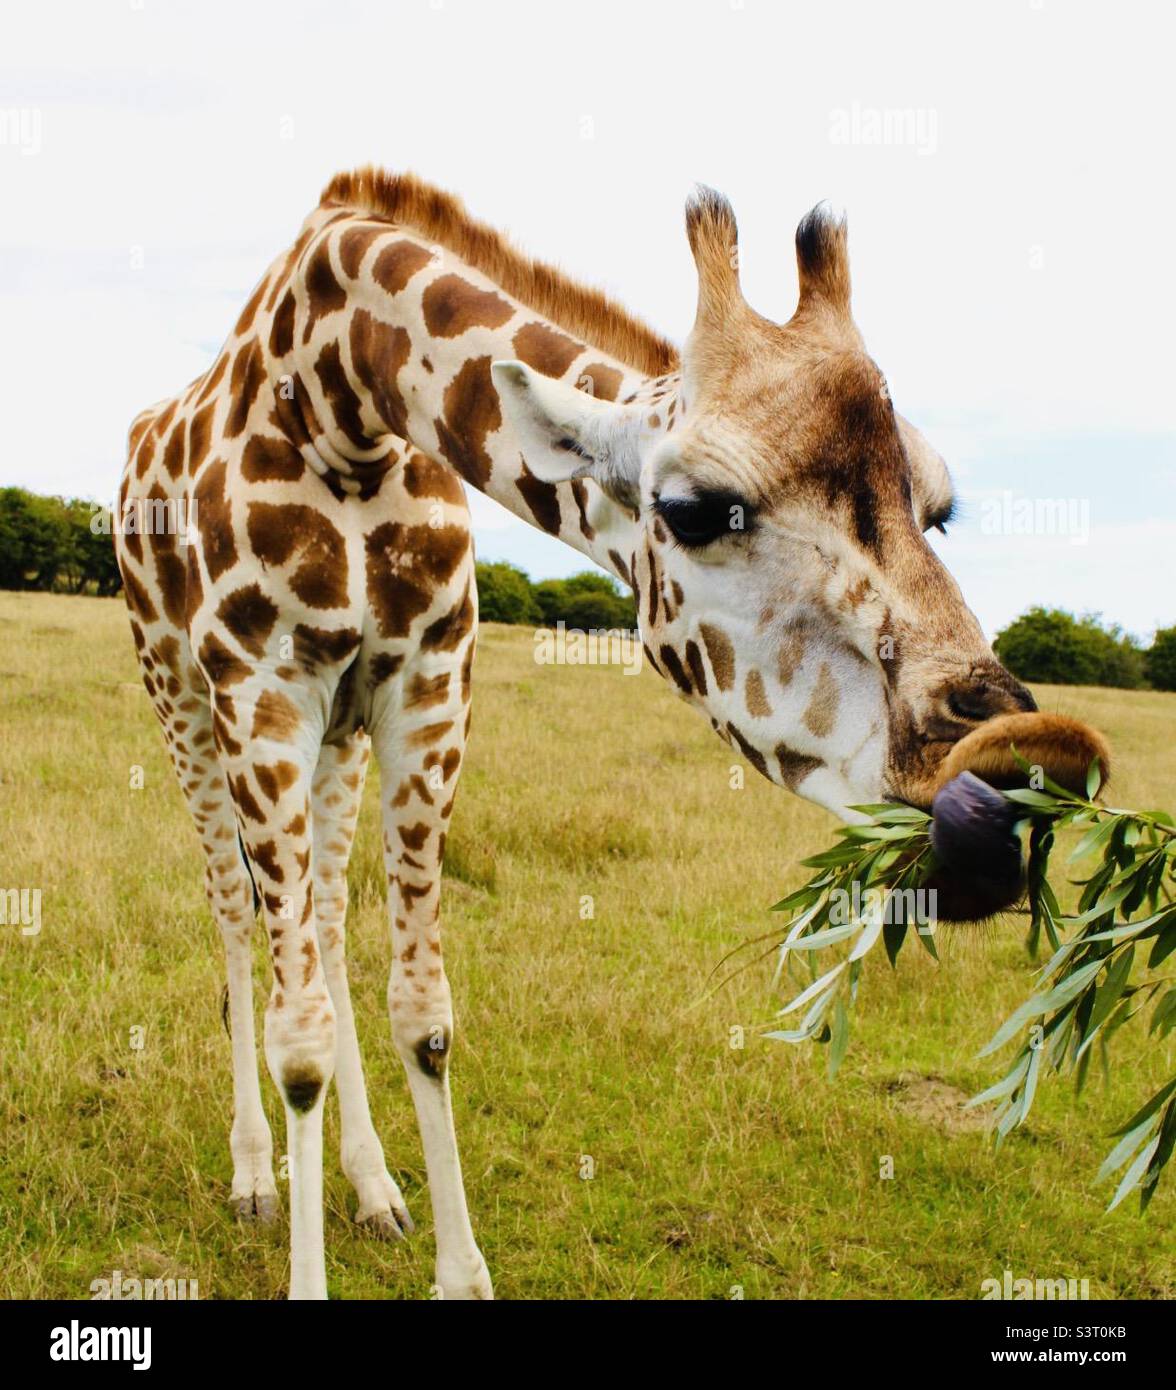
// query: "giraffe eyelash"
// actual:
[[698, 521], [942, 518], [573, 446]]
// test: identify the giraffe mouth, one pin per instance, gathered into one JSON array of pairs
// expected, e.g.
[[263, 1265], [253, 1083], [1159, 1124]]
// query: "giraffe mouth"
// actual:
[[980, 858]]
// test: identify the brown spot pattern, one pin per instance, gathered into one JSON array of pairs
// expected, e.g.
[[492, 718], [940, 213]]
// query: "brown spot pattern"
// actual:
[[173, 452], [354, 244], [396, 265], [276, 717], [821, 713], [795, 767], [756, 696], [282, 329], [445, 633], [277, 533], [471, 412], [316, 647], [248, 374], [270, 460], [542, 498], [721, 654], [606, 381], [452, 305], [341, 396], [222, 666], [378, 351], [425, 477], [405, 567], [250, 616], [546, 349], [199, 436], [214, 520], [324, 294]]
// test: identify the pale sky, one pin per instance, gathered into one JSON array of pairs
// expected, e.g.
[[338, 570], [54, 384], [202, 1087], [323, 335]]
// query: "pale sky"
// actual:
[[1006, 167]]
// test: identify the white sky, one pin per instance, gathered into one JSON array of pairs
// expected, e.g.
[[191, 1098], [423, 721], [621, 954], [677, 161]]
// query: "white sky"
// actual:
[[1012, 259]]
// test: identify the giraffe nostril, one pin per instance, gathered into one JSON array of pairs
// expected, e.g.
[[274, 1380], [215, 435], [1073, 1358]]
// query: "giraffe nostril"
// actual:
[[974, 703], [983, 698]]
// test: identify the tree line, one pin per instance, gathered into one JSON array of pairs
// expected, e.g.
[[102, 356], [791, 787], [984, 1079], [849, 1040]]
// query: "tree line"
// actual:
[[48, 543], [583, 601], [55, 543], [1056, 648]]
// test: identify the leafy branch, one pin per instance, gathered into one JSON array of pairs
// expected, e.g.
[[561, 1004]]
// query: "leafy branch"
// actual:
[[871, 887]]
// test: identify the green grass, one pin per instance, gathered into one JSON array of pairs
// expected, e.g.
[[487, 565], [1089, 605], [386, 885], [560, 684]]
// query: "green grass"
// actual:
[[714, 1166]]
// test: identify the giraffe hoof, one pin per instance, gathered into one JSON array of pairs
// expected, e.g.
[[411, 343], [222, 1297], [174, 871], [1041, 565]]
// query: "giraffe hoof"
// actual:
[[465, 1282], [387, 1225], [261, 1207]]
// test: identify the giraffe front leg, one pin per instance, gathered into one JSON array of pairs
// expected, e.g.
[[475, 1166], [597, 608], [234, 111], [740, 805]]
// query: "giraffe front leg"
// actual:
[[335, 800], [268, 743], [420, 757]]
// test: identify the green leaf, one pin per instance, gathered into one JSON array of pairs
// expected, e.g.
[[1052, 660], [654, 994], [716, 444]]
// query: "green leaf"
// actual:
[[893, 813], [1107, 995], [1165, 943], [893, 935], [813, 990], [1141, 1116], [839, 1039], [870, 934], [1167, 1141], [1031, 1079], [827, 936], [926, 938], [1092, 839], [1026, 796], [1043, 1003], [1164, 1017], [802, 895], [1093, 778], [1066, 990], [876, 832], [1134, 1173], [1003, 1087], [1125, 1148]]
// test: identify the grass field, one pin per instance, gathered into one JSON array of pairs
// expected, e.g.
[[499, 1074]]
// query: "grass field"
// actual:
[[715, 1167]]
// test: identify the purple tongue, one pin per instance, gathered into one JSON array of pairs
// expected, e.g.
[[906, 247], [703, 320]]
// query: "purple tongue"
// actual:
[[972, 830]]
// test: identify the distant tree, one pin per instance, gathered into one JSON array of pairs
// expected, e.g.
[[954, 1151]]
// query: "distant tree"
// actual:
[[49, 543], [93, 547], [505, 595], [585, 600], [1052, 646], [1159, 661], [33, 539]]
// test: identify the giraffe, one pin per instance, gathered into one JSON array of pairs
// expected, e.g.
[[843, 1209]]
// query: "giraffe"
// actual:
[[757, 492]]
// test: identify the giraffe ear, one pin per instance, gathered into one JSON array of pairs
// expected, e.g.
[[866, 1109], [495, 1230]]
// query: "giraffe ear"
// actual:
[[565, 433]]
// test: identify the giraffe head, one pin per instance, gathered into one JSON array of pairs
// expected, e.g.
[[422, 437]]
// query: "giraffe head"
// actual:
[[784, 580]]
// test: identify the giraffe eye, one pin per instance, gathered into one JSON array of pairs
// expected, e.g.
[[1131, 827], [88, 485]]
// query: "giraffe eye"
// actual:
[[940, 517], [697, 521]]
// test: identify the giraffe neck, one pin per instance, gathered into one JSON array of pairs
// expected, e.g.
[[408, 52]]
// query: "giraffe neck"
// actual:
[[383, 338]]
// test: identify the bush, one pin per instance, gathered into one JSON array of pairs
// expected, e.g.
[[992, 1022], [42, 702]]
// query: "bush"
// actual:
[[505, 595], [1051, 645], [1159, 662], [587, 600], [48, 543], [584, 601]]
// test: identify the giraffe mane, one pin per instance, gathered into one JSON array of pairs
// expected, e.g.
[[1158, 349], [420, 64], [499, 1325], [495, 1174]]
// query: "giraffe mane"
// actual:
[[587, 313]]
